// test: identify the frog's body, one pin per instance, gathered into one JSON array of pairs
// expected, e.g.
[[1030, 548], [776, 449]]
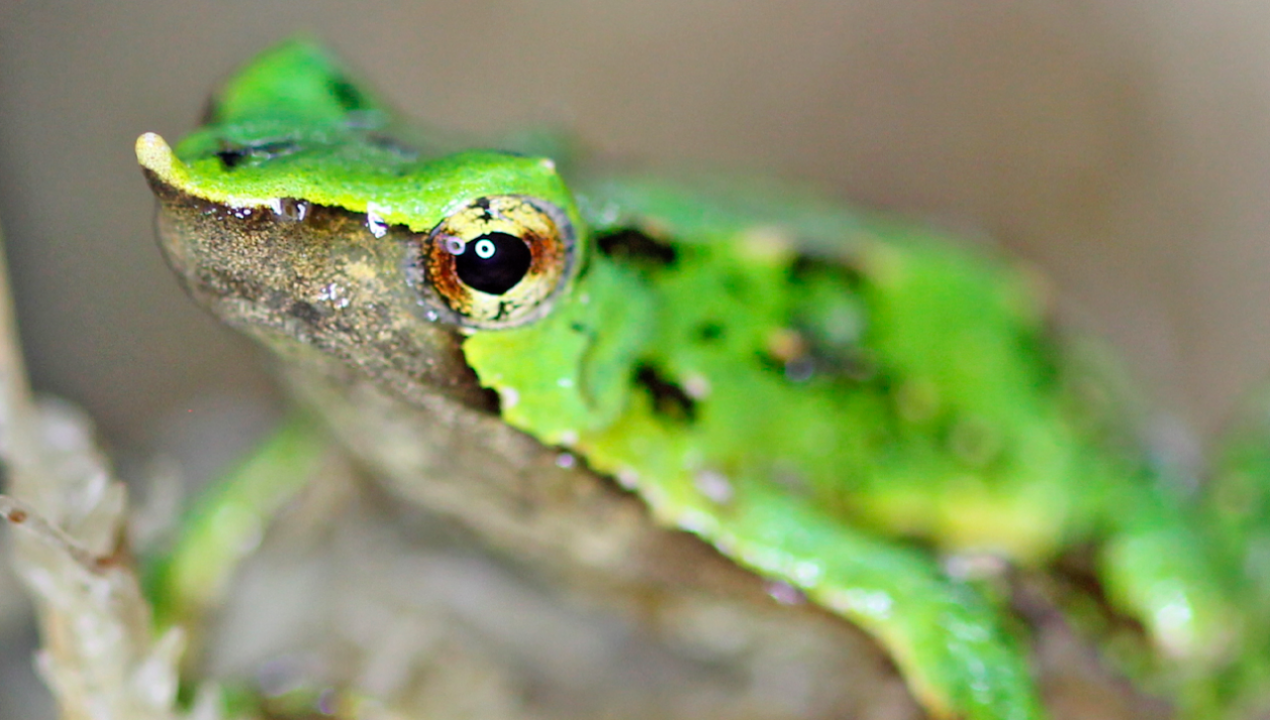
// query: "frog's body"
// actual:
[[789, 381]]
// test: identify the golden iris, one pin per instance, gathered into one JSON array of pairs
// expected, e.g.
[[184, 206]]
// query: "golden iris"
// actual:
[[496, 261]]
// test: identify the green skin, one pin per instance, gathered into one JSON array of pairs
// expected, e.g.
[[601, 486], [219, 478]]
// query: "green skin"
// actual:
[[917, 397]]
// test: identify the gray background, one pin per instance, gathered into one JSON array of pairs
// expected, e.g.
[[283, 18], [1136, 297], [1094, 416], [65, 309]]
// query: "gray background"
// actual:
[[1121, 145]]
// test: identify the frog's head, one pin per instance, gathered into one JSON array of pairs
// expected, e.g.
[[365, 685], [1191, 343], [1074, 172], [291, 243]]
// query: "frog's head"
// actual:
[[303, 223], [381, 266]]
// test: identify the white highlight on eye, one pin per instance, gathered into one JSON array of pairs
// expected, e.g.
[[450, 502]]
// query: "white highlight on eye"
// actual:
[[485, 248]]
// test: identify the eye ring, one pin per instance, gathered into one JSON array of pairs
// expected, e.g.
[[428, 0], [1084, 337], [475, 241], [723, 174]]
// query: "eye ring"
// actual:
[[496, 261]]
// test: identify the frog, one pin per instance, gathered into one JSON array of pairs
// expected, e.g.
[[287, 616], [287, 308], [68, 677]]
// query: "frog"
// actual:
[[669, 389]]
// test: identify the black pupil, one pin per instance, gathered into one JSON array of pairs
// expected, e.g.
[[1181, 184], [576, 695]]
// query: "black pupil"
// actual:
[[493, 263]]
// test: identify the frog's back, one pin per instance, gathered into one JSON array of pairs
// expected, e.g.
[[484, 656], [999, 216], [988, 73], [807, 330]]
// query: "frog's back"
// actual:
[[865, 362]]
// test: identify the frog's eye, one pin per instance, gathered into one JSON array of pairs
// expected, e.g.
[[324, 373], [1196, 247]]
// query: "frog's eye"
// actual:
[[498, 261]]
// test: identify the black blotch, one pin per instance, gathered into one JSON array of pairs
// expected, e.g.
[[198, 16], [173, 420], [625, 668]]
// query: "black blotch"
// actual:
[[710, 331], [804, 266], [636, 248], [231, 156], [347, 95], [669, 400], [305, 312], [829, 357]]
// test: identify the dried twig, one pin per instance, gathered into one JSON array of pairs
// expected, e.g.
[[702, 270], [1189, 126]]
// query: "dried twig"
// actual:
[[99, 654]]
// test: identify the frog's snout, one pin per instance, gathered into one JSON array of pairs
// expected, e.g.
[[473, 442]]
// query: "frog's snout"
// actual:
[[155, 155]]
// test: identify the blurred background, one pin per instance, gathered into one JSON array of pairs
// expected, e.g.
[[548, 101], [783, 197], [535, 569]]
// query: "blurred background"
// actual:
[[1122, 146]]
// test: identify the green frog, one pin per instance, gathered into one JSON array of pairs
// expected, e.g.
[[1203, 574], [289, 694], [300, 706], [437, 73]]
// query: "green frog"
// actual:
[[660, 390]]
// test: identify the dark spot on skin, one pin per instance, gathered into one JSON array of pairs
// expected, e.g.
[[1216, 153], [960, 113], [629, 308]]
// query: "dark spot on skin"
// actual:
[[305, 312], [852, 362], [636, 248], [231, 158], [669, 400], [578, 327], [805, 266], [710, 331], [347, 95], [17, 517]]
